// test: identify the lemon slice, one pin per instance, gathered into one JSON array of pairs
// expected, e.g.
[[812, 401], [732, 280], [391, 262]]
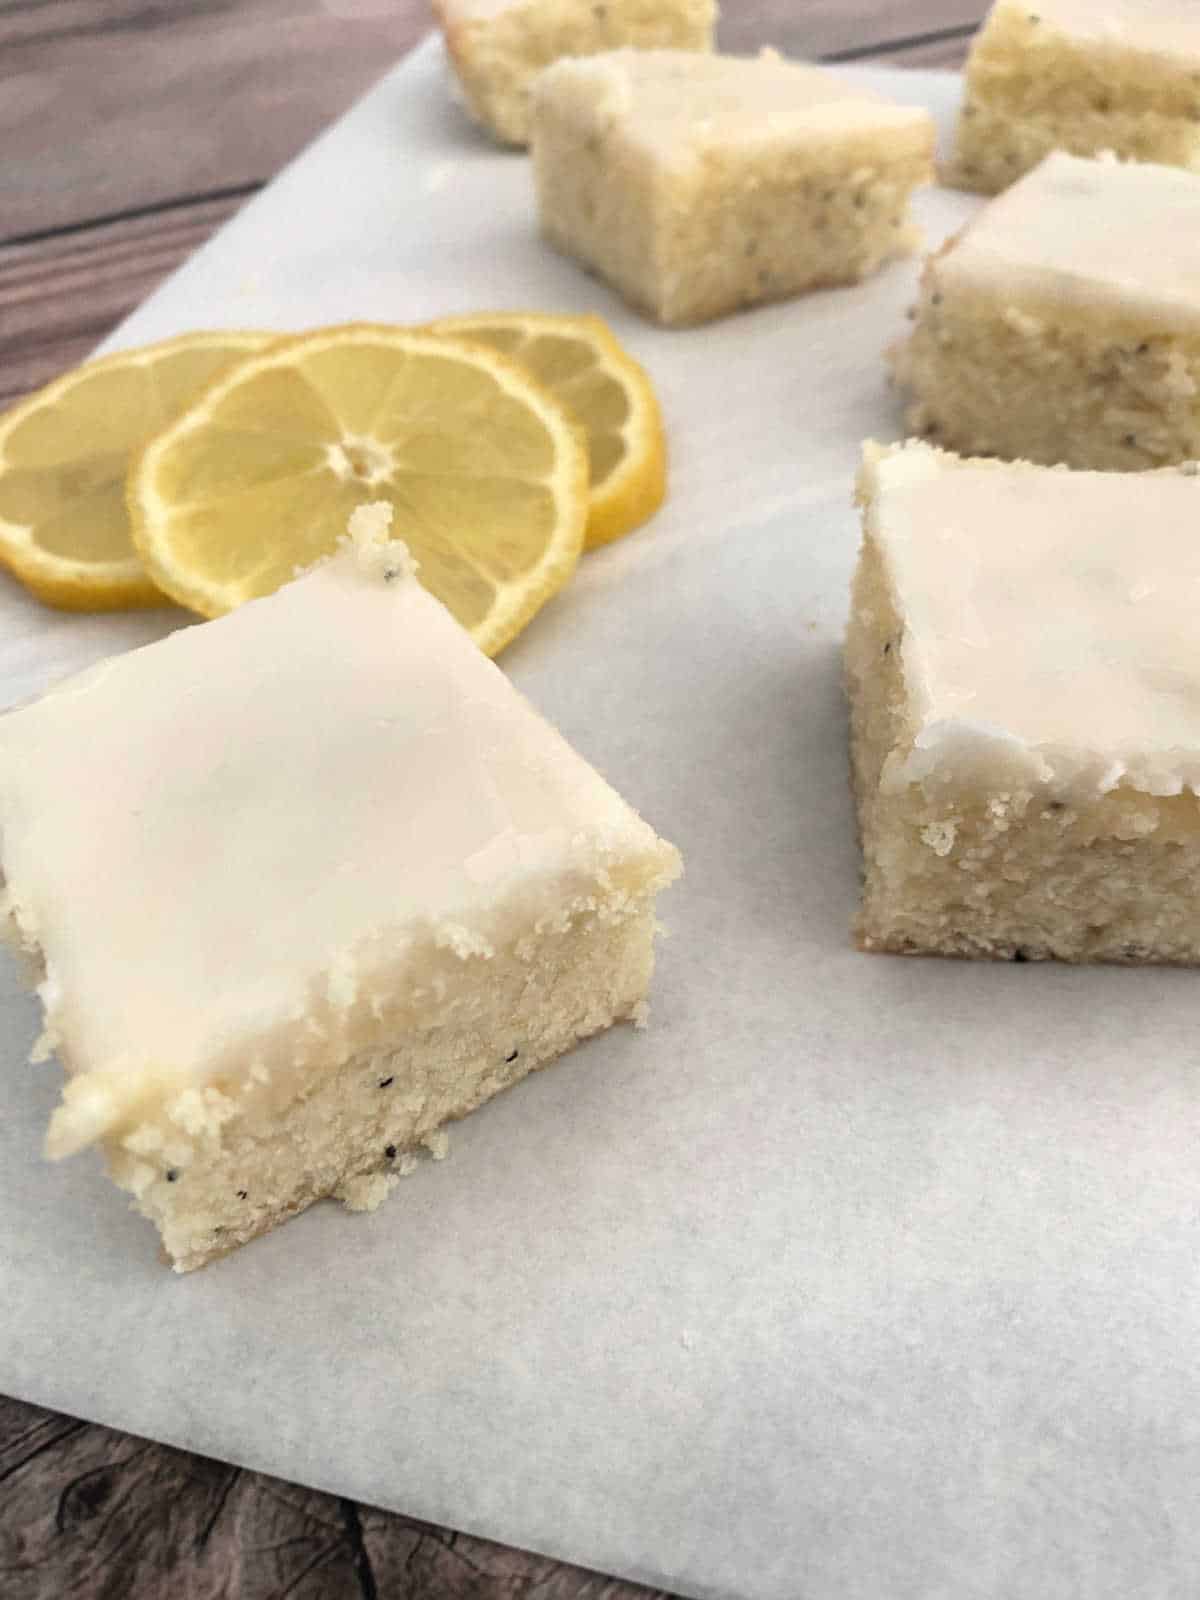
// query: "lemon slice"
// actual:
[[579, 360], [64, 453], [485, 470]]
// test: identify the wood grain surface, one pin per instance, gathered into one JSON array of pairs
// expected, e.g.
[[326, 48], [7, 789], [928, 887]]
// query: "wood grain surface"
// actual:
[[130, 130]]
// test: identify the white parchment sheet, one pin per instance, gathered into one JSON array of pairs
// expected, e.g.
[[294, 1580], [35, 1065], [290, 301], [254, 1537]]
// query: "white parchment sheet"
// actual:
[[853, 1278]]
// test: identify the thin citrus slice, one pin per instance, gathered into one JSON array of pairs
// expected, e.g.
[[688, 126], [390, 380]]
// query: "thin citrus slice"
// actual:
[[579, 360], [485, 470], [64, 454]]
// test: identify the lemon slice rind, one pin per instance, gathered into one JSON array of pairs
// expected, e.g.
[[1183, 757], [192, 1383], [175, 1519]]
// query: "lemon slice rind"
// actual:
[[632, 491], [155, 516], [55, 578]]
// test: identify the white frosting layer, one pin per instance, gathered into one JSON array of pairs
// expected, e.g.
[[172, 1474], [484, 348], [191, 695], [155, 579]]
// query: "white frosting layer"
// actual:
[[208, 836], [1122, 236], [682, 102], [1169, 28], [1049, 619]]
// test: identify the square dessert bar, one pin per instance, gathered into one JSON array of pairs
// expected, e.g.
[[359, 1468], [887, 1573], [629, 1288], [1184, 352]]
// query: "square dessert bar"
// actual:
[[1082, 76], [498, 47], [1024, 687], [301, 885], [1063, 323], [698, 185]]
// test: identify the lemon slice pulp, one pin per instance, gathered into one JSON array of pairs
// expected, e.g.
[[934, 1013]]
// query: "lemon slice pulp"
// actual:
[[580, 360], [64, 453], [485, 470]]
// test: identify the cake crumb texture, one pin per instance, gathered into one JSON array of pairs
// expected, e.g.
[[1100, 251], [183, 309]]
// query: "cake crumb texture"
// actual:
[[367, 1191], [330, 916], [1082, 76], [1063, 323], [498, 47], [701, 185], [1025, 711], [352, 1132]]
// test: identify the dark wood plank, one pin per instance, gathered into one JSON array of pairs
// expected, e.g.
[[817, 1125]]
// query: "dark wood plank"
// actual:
[[89, 1512], [822, 28], [945, 50], [186, 97], [113, 104], [60, 294]]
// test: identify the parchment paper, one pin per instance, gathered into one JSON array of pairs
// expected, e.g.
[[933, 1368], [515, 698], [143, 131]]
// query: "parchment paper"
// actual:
[[853, 1277]]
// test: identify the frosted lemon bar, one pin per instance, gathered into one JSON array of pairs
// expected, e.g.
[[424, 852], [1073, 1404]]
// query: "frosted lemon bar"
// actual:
[[699, 185], [301, 884], [1024, 687], [1082, 76], [1063, 324], [497, 47]]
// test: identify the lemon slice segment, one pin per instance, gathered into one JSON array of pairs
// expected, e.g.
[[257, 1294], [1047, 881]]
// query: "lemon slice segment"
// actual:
[[485, 470], [64, 453], [579, 359]]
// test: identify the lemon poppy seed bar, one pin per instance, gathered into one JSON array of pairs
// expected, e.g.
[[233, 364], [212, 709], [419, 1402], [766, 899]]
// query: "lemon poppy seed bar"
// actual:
[[698, 185], [1025, 709], [1063, 323], [301, 885], [1082, 76], [497, 47]]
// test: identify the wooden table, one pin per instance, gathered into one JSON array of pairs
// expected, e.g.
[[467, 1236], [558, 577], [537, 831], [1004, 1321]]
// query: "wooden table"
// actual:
[[129, 130]]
